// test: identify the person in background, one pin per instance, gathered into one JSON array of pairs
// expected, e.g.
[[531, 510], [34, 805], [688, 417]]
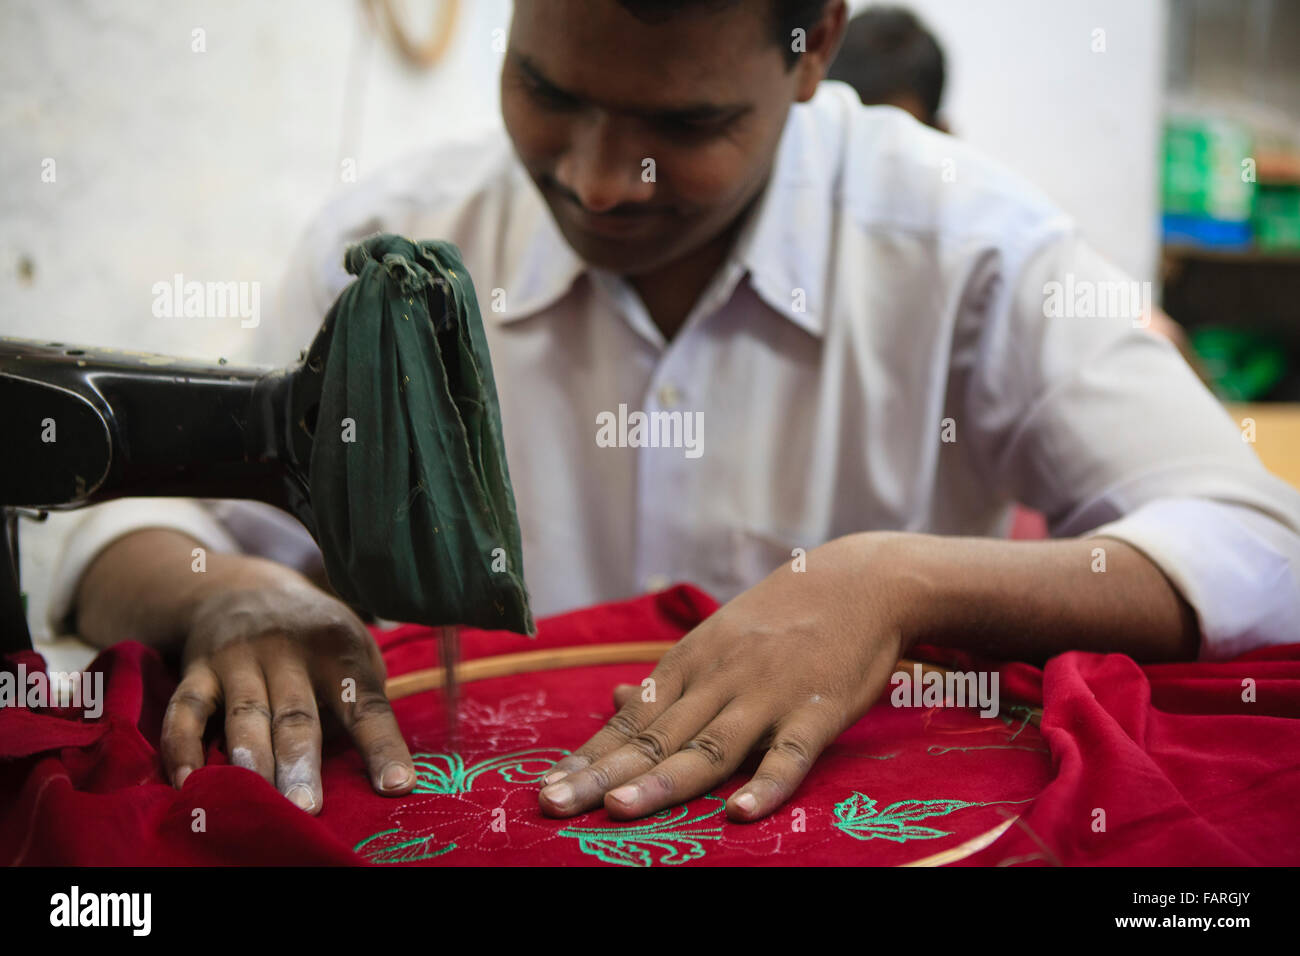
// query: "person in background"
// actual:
[[891, 58]]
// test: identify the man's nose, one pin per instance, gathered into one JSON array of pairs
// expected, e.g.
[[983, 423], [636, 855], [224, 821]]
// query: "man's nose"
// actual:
[[603, 166]]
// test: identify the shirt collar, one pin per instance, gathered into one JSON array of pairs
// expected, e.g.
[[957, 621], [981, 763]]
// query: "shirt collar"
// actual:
[[783, 245]]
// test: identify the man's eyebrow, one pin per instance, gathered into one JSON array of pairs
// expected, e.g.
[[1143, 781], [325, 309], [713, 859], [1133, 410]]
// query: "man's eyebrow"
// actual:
[[690, 112]]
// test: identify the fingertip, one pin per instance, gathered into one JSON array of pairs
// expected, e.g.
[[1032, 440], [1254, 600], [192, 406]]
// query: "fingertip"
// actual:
[[743, 807], [623, 695], [178, 778], [627, 802], [395, 779], [558, 800], [302, 797]]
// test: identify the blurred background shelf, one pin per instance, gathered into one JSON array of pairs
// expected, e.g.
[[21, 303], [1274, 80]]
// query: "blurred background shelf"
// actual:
[[1230, 192]]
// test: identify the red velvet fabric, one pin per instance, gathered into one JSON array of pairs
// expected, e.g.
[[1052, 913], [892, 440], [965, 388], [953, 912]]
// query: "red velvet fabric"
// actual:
[[1133, 765]]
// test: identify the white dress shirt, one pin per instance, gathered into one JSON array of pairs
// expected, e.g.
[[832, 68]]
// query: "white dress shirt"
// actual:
[[878, 352]]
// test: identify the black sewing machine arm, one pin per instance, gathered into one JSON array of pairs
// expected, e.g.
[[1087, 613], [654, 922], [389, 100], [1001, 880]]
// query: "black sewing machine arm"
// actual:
[[82, 425]]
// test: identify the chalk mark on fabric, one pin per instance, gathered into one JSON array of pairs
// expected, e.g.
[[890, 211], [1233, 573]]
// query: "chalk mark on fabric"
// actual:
[[509, 724]]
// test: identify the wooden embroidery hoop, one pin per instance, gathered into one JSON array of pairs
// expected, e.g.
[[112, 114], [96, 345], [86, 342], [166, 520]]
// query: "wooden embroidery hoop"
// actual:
[[585, 655]]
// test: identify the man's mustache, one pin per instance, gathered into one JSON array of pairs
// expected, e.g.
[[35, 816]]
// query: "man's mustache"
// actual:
[[626, 210]]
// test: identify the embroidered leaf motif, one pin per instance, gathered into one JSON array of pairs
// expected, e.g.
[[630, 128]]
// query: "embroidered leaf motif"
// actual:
[[668, 838], [396, 846], [857, 816]]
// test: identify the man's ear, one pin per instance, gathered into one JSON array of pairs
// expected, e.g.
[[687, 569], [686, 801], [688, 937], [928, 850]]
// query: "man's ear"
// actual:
[[822, 43]]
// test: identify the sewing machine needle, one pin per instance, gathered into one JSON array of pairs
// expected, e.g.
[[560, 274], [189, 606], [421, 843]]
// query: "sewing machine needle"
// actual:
[[449, 651]]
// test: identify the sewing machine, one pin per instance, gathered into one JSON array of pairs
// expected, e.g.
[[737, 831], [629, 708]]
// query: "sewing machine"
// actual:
[[84, 425]]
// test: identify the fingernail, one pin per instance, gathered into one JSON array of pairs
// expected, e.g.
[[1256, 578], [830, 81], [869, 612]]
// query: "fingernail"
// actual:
[[746, 802], [554, 777], [302, 797], [560, 795], [181, 773], [394, 777], [624, 795]]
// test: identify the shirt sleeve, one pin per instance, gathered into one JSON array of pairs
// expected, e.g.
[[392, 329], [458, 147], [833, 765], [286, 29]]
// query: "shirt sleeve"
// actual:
[[1083, 414], [75, 539]]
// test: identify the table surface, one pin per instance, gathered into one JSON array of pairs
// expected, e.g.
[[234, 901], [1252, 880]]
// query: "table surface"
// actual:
[[1277, 435]]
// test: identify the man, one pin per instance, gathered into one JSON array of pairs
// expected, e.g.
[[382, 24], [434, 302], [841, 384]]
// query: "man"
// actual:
[[868, 317]]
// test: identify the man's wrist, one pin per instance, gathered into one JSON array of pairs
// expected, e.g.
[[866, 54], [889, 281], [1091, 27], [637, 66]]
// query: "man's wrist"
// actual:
[[903, 589]]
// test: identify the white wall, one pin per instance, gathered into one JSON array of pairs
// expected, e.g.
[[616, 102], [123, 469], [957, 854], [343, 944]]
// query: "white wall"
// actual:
[[1025, 86], [207, 164]]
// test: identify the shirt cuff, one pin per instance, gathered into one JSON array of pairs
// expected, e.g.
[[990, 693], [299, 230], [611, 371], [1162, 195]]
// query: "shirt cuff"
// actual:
[[1237, 567], [105, 523]]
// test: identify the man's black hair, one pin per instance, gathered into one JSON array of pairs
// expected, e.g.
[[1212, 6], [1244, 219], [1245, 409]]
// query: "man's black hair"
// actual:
[[786, 16], [888, 51]]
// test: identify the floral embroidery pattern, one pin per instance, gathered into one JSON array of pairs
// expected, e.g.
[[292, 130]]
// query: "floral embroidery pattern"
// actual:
[[669, 838], [858, 817], [480, 798], [448, 773]]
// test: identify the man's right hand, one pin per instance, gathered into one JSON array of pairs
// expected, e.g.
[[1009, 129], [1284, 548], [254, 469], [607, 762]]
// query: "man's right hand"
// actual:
[[260, 644]]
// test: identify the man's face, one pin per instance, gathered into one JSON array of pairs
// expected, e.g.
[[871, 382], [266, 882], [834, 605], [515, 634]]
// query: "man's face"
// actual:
[[646, 140]]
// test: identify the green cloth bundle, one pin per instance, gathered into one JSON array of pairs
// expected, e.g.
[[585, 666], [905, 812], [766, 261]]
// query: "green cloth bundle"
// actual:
[[414, 510]]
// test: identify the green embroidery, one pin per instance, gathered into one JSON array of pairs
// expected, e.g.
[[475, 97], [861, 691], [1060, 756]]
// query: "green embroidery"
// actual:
[[447, 773], [674, 839], [396, 850], [1028, 712], [858, 817]]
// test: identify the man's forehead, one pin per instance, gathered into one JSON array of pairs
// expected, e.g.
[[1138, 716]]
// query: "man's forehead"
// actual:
[[684, 100], [597, 51]]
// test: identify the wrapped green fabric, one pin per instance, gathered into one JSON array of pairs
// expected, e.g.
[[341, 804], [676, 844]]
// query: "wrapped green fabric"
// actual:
[[415, 514]]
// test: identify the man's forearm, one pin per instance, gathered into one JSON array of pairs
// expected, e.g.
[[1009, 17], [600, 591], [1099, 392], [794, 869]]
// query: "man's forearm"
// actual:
[[1029, 600], [144, 587]]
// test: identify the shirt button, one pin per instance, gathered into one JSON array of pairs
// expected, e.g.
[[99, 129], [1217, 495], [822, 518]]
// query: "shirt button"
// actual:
[[657, 582], [669, 395]]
